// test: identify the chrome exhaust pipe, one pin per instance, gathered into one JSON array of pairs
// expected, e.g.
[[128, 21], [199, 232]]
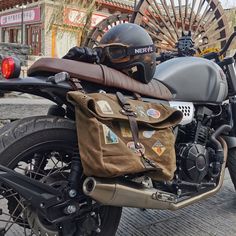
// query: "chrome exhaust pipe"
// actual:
[[123, 194], [135, 195]]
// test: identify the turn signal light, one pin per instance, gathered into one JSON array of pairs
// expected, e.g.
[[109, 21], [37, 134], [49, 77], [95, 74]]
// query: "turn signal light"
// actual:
[[10, 68]]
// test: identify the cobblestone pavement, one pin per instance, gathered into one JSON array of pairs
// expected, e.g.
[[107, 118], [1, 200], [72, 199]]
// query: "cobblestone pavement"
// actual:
[[215, 216]]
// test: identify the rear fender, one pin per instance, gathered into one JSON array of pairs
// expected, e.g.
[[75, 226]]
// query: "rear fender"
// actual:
[[38, 86]]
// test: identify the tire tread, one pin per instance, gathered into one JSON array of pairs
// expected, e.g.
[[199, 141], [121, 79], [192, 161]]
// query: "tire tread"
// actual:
[[20, 128], [12, 134]]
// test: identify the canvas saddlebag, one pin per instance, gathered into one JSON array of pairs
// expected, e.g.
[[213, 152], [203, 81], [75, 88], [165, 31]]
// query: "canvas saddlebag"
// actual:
[[119, 136]]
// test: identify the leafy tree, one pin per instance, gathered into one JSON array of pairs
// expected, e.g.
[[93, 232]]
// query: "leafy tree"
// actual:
[[57, 16]]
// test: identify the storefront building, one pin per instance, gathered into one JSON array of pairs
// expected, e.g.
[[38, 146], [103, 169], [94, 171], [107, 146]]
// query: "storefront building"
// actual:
[[11, 28], [63, 35], [33, 17]]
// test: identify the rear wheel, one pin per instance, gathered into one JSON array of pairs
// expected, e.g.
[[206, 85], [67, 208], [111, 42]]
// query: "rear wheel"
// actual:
[[42, 148]]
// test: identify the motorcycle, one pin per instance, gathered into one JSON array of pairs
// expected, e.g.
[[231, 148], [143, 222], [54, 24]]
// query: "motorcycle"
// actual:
[[42, 185]]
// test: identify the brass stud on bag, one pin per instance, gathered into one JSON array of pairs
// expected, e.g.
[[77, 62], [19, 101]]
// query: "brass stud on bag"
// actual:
[[123, 112], [138, 145]]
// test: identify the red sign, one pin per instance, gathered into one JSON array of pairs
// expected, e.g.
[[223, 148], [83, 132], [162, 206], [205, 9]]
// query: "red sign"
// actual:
[[77, 17], [29, 15]]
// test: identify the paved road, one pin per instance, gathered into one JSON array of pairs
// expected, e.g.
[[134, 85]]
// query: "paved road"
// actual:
[[215, 216]]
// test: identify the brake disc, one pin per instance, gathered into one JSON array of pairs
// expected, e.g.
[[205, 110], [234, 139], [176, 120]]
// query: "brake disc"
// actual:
[[40, 226]]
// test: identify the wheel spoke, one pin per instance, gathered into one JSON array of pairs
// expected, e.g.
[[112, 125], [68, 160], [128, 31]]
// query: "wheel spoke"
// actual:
[[180, 15], [94, 37], [57, 170], [8, 196], [186, 9], [165, 6], [36, 173], [33, 169], [15, 219], [165, 19], [213, 43], [154, 20], [39, 167], [211, 17], [198, 10], [217, 32], [200, 23], [191, 15], [45, 157], [210, 27], [167, 38]]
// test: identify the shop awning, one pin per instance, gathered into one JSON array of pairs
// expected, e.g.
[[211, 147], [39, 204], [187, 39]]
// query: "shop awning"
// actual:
[[122, 4]]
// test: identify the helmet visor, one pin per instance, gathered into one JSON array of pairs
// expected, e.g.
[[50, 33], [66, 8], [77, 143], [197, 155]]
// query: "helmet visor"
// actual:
[[116, 52], [119, 52]]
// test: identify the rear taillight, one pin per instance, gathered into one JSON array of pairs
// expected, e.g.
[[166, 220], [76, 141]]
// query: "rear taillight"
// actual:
[[10, 68]]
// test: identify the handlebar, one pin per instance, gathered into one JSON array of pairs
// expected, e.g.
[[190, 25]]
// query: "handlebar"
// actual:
[[216, 55], [212, 55], [227, 45], [159, 58], [166, 56]]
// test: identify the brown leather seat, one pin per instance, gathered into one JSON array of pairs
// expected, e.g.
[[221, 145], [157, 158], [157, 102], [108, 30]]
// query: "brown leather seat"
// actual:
[[100, 74]]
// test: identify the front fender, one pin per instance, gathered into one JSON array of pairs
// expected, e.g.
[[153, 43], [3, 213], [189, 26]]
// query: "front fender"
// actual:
[[38, 86]]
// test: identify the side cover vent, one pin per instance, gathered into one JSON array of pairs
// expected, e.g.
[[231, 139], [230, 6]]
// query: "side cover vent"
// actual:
[[186, 108]]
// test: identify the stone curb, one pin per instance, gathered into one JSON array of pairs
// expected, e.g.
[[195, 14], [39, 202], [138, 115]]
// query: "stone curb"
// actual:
[[18, 108]]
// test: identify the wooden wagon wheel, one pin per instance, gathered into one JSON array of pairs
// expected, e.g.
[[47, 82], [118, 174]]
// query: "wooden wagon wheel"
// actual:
[[166, 20], [101, 28]]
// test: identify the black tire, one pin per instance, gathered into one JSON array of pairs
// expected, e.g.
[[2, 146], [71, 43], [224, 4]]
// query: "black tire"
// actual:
[[21, 138], [231, 163]]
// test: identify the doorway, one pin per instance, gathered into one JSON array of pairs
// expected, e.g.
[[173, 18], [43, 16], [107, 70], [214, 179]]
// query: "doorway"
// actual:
[[34, 39]]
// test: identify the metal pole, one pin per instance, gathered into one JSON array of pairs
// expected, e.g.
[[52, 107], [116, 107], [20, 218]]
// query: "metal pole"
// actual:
[[22, 24]]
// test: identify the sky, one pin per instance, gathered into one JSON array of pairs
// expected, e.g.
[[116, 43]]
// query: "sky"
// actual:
[[228, 3]]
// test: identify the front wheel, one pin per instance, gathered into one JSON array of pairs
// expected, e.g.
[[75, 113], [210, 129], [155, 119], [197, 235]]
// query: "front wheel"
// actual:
[[231, 163], [42, 148]]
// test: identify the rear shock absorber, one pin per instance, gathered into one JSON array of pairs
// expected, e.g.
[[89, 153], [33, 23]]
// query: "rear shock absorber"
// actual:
[[75, 176]]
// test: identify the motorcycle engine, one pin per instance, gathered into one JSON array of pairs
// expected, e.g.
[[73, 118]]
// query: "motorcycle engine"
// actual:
[[197, 165], [193, 162], [194, 152]]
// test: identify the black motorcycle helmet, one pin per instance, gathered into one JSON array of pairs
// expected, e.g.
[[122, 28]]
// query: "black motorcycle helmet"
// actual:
[[129, 48]]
